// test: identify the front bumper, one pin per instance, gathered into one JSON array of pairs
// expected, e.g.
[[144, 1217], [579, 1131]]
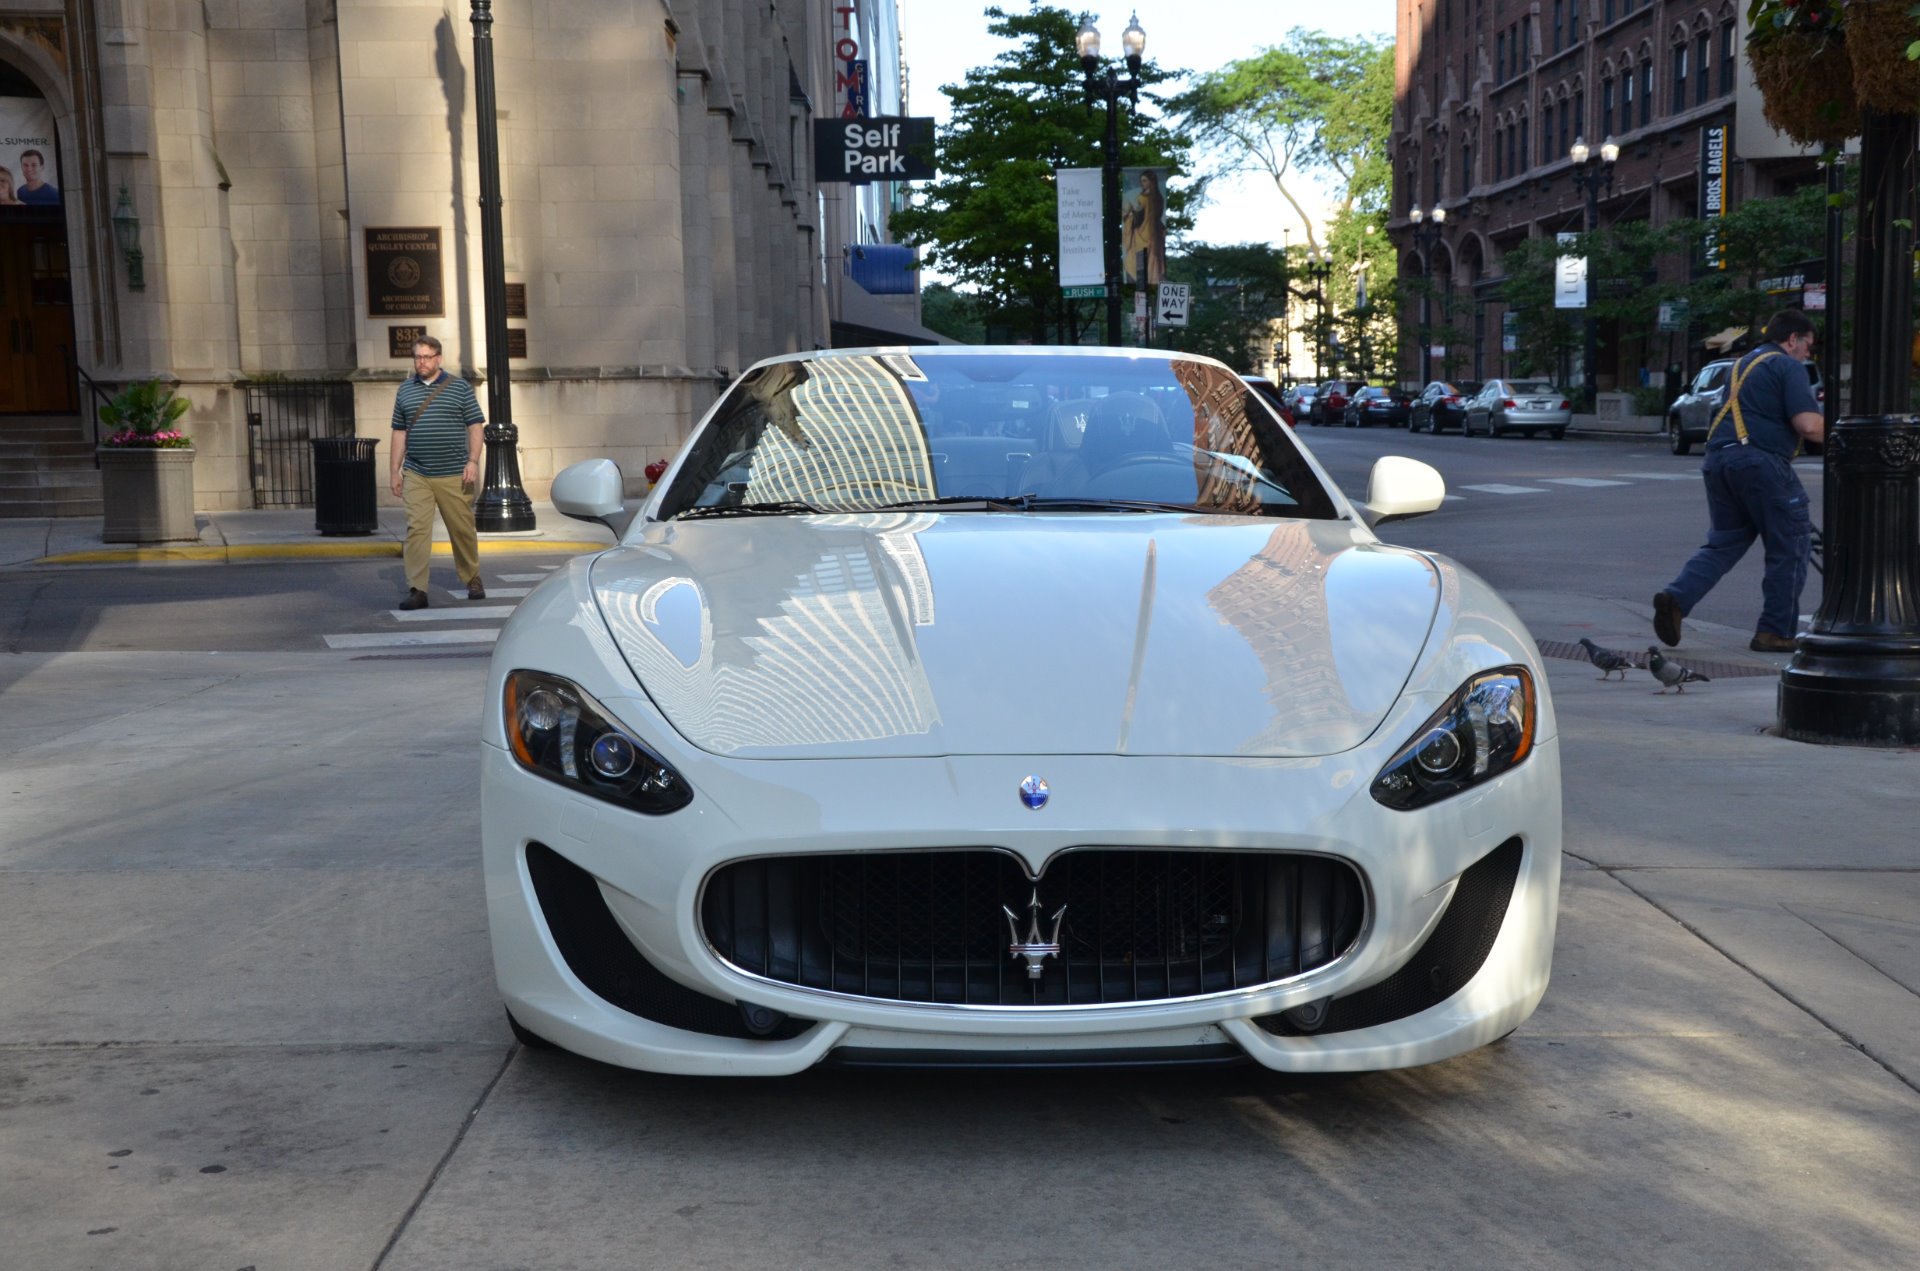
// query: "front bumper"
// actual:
[[648, 873]]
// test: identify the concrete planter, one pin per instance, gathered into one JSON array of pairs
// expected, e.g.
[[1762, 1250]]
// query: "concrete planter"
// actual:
[[147, 495]]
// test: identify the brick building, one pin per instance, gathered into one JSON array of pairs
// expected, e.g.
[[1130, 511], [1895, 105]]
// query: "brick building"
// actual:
[[1490, 96]]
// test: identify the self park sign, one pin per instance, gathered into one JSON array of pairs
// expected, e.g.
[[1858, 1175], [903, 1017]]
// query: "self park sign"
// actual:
[[882, 148]]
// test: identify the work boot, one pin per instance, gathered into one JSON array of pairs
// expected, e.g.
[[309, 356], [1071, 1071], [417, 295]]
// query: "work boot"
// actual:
[[474, 590], [416, 599], [1666, 618], [1767, 642]]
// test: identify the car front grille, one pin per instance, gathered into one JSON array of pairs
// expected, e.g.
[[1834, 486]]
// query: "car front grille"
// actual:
[[932, 927]]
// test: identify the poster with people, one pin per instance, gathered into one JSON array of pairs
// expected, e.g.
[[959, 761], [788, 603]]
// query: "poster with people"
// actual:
[[1143, 225], [29, 162]]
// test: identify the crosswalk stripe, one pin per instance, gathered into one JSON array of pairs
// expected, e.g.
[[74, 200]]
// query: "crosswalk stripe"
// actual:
[[493, 593], [482, 613], [522, 578], [1505, 489], [1660, 476], [407, 639], [1584, 483]]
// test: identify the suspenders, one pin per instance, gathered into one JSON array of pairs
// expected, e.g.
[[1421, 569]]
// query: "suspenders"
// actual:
[[1735, 382]]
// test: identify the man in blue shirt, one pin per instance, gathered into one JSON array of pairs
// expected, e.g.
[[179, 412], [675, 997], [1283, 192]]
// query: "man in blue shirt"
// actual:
[[33, 189], [1752, 491], [434, 464]]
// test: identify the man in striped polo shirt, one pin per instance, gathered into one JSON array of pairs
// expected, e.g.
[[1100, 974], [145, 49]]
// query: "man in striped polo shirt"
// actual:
[[435, 463]]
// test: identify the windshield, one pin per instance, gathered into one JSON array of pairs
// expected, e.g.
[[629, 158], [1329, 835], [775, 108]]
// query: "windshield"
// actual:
[[866, 432], [1530, 386]]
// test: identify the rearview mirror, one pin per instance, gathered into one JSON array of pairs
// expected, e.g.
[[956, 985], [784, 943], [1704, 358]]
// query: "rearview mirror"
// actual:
[[594, 491], [1399, 488]]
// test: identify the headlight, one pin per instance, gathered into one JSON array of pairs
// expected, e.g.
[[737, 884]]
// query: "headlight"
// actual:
[[1484, 729], [558, 732]]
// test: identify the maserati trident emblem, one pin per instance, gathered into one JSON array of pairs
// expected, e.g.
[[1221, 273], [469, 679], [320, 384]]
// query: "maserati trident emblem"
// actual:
[[1035, 949], [1033, 793]]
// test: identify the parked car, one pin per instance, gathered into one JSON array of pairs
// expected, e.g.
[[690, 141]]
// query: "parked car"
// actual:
[[1270, 393], [844, 752], [1691, 416], [1330, 402], [1442, 406], [1523, 406], [1300, 400], [1376, 405]]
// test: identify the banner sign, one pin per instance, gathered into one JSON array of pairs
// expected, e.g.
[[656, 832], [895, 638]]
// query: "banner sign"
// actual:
[[29, 161], [1077, 195], [1713, 190], [1674, 315], [1569, 278], [1143, 225], [859, 91]]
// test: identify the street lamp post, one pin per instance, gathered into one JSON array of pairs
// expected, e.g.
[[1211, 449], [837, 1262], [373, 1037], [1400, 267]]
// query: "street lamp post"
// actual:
[[1592, 176], [1426, 232], [503, 506], [1104, 84]]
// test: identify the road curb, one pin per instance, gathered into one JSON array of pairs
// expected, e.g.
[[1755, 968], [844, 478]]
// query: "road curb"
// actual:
[[251, 553]]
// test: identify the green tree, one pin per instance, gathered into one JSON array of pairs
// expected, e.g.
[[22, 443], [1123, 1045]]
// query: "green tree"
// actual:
[[1314, 105], [1239, 292], [957, 314], [989, 220]]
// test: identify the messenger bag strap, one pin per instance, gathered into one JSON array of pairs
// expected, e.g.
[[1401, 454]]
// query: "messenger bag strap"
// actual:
[[438, 389]]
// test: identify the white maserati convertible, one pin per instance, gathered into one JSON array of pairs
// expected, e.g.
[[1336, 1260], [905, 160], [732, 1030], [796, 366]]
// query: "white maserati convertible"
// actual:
[[1013, 706]]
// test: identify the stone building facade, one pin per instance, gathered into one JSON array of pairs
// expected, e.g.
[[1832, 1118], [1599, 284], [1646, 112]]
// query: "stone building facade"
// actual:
[[1490, 96], [305, 177]]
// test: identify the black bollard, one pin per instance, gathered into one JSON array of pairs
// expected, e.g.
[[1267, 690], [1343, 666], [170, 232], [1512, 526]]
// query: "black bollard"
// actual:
[[1855, 680]]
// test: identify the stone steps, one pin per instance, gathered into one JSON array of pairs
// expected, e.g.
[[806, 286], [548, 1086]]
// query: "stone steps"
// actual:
[[47, 468]]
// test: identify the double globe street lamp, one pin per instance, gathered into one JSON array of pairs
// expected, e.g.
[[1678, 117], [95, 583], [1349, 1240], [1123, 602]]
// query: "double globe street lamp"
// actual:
[[1102, 82], [1592, 176], [1426, 232]]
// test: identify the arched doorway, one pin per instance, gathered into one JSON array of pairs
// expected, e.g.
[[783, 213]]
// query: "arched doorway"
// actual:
[[36, 290]]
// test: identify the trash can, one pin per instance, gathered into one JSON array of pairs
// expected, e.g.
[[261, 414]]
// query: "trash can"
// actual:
[[343, 485]]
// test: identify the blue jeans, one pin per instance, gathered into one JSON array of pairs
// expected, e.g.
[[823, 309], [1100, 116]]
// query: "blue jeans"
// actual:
[[1752, 493]]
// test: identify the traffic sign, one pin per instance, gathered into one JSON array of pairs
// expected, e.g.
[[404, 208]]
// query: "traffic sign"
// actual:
[[1173, 304], [1096, 292]]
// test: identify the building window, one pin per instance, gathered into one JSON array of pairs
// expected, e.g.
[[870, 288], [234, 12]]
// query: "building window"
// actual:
[[1566, 118], [1608, 11], [1626, 99], [1558, 13], [1439, 171], [1580, 113], [1701, 43], [1524, 152], [1466, 166], [1726, 58], [1606, 108], [1526, 42], [1626, 7], [1573, 21], [1646, 91], [1679, 102], [1500, 58], [1546, 133]]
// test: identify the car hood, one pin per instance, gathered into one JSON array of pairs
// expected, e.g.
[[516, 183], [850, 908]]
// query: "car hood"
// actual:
[[899, 635]]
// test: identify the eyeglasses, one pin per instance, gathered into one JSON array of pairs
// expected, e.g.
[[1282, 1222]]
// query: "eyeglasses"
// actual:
[[425, 357]]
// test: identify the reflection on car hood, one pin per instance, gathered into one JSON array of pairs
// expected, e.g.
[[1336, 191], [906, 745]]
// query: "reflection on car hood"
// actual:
[[895, 635]]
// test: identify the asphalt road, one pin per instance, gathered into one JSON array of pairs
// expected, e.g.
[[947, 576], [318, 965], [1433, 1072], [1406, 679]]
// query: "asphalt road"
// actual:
[[250, 1020]]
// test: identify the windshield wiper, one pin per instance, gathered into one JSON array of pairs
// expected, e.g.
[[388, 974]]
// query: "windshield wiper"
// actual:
[[1030, 503], [781, 507], [984, 502]]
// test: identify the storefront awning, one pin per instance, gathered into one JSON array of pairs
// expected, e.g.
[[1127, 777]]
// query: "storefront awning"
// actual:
[[1725, 340]]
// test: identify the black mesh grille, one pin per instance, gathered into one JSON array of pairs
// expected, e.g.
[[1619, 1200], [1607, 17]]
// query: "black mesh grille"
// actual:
[[599, 953], [930, 926], [1451, 956]]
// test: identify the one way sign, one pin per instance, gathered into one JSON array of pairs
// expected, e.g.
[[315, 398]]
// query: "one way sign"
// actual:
[[1173, 304]]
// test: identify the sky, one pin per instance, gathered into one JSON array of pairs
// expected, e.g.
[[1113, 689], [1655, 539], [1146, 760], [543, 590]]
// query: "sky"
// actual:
[[943, 39]]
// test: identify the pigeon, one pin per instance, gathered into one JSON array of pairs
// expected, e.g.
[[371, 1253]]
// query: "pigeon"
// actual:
[[1606, 659], [1671, 674]]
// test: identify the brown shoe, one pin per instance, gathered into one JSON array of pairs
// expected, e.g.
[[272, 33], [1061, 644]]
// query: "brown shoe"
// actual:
[[1666, 619], [416, 599], [1767, 642], [474, 590]]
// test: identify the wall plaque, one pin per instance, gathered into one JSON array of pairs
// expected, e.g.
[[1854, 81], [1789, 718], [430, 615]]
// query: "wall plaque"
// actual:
[[400, 341], [403, 272], [516, 300]]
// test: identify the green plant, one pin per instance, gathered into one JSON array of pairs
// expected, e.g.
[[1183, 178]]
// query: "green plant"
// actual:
[[1649, 399], [1768, 20], [143, 415]]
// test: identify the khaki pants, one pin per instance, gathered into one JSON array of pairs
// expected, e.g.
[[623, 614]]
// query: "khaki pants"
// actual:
[[422, 495]]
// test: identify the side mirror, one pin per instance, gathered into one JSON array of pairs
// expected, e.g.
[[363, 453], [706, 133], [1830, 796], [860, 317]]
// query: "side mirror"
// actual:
[[594, 491], [1400, 487]]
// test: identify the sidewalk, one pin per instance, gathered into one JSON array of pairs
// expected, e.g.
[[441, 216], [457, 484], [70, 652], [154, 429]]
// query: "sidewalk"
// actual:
[[270, 535]]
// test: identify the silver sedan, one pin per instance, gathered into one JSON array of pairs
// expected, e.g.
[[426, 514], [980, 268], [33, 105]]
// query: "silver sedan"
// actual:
[[1523, 406]]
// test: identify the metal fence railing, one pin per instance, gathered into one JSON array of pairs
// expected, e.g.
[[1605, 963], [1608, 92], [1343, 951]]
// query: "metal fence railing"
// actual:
[[283, 418]]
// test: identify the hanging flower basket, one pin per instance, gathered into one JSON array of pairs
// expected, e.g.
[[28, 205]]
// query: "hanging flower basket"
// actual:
[[1806, 86], [1884, 77]]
